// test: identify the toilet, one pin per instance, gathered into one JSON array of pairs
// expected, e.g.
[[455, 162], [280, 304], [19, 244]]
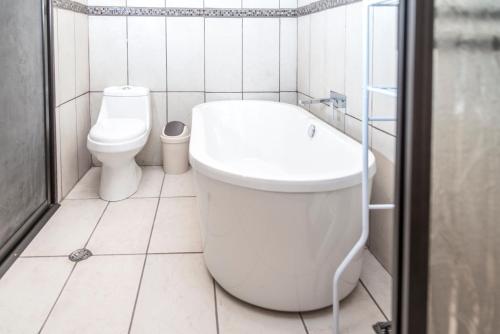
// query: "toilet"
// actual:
[[120, 133]]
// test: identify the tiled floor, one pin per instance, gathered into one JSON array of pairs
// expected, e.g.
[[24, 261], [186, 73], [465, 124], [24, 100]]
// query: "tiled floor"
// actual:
[[147, 274]]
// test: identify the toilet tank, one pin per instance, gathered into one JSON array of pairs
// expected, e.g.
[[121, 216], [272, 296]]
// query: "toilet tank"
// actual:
[[126, 102]]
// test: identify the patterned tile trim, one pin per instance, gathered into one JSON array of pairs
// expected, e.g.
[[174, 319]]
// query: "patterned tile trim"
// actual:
[[312, 8], [71, 5], [321, 5]]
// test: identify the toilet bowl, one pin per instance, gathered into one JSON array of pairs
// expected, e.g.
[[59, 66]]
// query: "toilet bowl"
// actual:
[[120, 133]]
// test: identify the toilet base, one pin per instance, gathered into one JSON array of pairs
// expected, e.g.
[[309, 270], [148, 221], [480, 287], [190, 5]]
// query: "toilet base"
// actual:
[[119, 181]]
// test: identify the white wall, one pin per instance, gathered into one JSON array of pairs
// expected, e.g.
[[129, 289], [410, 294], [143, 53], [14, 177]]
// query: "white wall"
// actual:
[[330, 58], [72, 97], [189, 60]]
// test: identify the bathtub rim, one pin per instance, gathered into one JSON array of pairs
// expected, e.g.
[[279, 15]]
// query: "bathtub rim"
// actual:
[[203, 163]]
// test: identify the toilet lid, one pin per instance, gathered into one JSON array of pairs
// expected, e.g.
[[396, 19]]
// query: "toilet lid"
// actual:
[[117, 130]]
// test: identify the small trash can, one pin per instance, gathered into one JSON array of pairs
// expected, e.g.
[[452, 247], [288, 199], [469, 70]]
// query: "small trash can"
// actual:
[[175, 143]]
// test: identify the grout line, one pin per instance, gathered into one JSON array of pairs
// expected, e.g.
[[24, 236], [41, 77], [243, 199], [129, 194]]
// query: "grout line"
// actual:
[[71, 272], [121, 254], [72, 99], [303, 323], [374, 300], [216, 308], [57, 298], [143, 268], [141, 197]]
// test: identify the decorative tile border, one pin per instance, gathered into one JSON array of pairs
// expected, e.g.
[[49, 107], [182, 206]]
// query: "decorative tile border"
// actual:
[[319, 6], [312, 8]]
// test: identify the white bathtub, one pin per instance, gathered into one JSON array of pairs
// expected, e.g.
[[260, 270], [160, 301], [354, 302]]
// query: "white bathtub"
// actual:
[[279, 209]]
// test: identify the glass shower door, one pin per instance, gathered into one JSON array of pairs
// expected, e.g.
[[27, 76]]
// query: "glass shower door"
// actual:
[[24, 150]]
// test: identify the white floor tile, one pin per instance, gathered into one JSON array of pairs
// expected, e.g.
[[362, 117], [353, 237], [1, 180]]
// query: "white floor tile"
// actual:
[[177, 227], [125, 227], [69, 228], [176, 296], [152, 179], [88, 186], [358, 313], [180, 185], [237, 317], [378, 281], [28, 291], [99, 296]]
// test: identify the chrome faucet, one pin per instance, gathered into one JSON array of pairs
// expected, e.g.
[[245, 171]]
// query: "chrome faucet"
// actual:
[[336, 100]]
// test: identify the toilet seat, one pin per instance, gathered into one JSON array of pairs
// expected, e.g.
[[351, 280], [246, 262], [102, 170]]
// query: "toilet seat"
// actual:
[[117, 130]]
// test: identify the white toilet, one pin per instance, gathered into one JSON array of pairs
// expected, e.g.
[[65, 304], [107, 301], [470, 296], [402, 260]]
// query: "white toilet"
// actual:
[[121, 131]]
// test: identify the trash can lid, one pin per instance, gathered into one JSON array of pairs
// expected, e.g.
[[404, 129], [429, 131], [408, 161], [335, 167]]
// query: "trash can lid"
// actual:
[[174, 128]]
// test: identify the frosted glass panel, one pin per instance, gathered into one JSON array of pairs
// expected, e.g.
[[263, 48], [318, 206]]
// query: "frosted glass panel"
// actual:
[[465, 215]]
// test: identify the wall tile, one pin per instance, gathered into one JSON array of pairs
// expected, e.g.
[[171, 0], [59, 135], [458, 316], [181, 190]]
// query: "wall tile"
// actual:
[[151, 154], [69, 146], [335, 50], [288, 54], [318, 75], [288, 3], [82, 53], [210, 97], [106, 2], [385, 144], [185, 3], [95, 106], [304, 51], [146, 52], [260, 55], [288, 97], [55, 15], [262, 96], [354, 59], [145, 3], [180, 106], [108, 51], [66, 58], [83, 128], [304, 2], [223, 52], [223, 3], [58, 155], [185, 60], [261, 3]]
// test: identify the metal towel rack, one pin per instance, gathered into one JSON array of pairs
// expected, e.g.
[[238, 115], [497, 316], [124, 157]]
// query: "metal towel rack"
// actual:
[[368, 89]]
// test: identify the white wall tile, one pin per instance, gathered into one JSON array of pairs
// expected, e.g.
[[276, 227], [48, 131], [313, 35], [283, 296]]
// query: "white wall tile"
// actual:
[[288, 97], [304, 52], [262, 96], [261, 55], [335, 50], [185, 54], [318, 55], [180, 106], [151, 154], [106, 2], [146, 52], [55, 15], [108, 51], [95, 106], [83, 128], [145, 3], [69, 146], [223, 3], [354, 59], [185, 3], [58, 155], [82, 53], [223, 52], [288, 54], [210, 97], [66, 58], [304, 2], [261, 3], [288, 3], [384, 143]]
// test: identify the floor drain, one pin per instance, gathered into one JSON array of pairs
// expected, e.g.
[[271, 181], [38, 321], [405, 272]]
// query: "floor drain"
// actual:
[[80, 255], [383, 327]]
